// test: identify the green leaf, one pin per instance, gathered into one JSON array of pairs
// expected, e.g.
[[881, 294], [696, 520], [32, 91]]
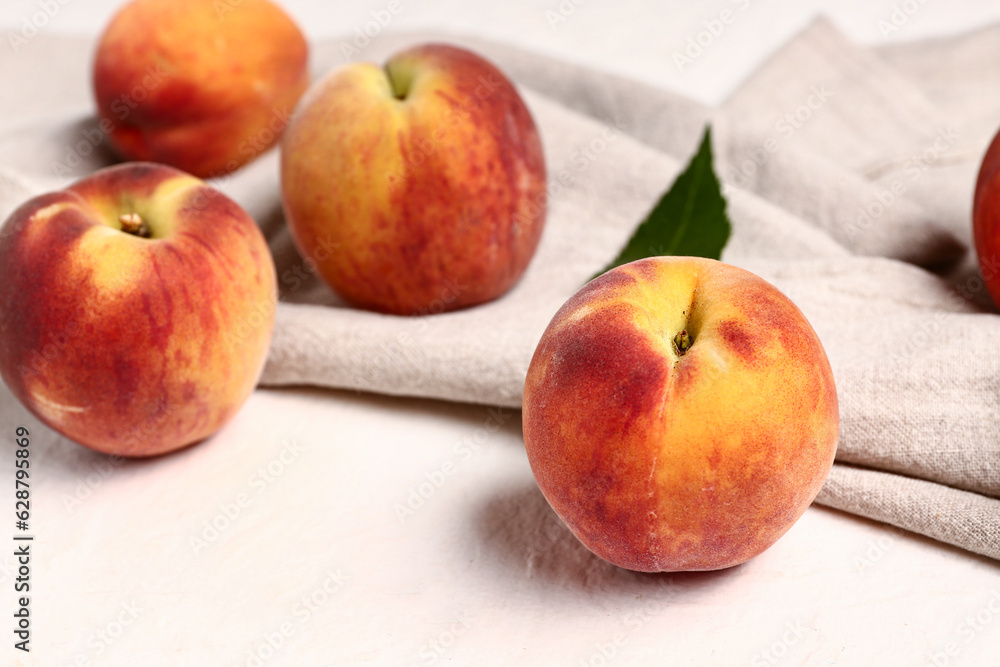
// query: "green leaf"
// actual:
[[690, 219]]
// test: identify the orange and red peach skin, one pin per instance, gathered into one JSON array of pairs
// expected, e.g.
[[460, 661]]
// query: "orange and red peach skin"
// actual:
[[661, 461], [427, 176], [205, 87], [134, 346]]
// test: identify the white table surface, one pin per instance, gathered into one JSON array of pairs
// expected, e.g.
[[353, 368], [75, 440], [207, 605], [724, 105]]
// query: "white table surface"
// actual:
[[311, 562]]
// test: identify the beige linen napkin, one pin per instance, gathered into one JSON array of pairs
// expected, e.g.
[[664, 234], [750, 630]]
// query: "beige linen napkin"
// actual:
[[849, 174]]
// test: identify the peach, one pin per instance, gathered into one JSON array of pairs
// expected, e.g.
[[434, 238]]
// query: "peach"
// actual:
[[986, 219], [427, 177], [136, 309], [202, 86], [679, 414]]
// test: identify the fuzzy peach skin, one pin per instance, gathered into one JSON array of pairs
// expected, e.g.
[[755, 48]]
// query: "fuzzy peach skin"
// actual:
[[665, 459], [986, 219], [134, 345], [203, 86], [418, 187]]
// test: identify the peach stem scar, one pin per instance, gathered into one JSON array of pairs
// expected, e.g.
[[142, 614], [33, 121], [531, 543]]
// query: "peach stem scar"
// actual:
[[132, 223], [682, 342]]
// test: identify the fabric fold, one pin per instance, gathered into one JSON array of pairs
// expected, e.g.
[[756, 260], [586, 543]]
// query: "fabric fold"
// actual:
[[963, 519]]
